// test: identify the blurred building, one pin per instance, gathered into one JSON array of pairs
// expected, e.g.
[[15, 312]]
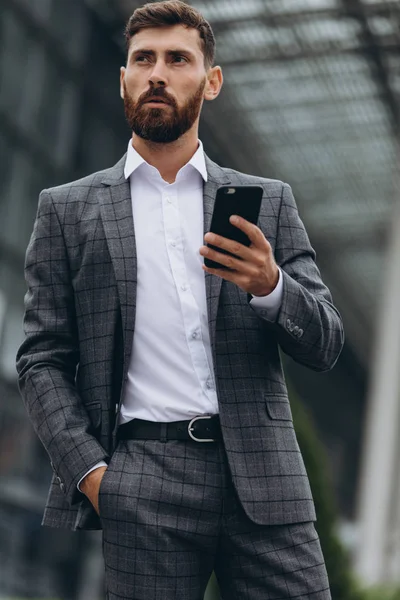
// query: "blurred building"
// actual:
[[311, 96], [60, 117]]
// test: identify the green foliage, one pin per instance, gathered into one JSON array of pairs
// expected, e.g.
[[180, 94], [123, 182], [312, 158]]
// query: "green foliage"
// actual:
[[381, 593], [212, 591]]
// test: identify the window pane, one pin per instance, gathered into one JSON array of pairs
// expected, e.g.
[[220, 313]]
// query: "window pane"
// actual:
[[32, 88], [68, 125], [69, 23], [14, 49], [19, 204]]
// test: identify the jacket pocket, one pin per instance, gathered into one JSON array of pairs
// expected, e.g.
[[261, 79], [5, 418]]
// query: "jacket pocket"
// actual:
[[278, 407]]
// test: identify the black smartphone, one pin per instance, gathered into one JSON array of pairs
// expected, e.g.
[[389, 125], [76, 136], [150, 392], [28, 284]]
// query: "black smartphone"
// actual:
[[242, 200]]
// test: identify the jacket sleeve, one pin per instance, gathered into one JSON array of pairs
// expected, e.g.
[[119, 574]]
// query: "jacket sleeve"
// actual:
[[48, 358], [308, 327]]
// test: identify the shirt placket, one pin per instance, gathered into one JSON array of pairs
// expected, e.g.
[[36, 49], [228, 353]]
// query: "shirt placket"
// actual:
[[175, 245]]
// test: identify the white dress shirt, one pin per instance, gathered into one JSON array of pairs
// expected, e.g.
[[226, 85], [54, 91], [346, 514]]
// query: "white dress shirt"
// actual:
[[171, 374]]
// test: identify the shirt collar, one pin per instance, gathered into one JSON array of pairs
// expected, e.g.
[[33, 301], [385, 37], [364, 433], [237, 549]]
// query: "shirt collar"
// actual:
[[134, 160]]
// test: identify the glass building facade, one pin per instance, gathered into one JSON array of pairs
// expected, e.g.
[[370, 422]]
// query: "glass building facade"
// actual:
[[60, 118]]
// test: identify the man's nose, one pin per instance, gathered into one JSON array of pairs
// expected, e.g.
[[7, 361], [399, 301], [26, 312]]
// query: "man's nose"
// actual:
[[159, 74]]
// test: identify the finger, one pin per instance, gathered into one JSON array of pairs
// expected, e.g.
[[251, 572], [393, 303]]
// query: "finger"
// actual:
[[224, 259], [231, 276], [253, 232], [229, 245]]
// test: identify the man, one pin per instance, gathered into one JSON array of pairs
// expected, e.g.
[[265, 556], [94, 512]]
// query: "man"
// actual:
[[157, 389]]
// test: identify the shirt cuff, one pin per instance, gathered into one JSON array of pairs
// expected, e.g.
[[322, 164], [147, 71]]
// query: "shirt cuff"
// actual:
[[268, 306], [99, 464]]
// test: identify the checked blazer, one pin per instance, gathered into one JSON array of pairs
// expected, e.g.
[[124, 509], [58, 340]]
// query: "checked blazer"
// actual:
[[79, 324]]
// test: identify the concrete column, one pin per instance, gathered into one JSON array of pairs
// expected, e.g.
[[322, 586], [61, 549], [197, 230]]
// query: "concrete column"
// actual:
[[378, 547]]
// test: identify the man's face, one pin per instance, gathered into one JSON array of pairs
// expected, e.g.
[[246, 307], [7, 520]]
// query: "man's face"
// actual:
[[167, 65]]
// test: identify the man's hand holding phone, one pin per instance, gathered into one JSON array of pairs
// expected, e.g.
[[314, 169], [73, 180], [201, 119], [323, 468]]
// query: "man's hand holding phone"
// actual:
[[254, 270]]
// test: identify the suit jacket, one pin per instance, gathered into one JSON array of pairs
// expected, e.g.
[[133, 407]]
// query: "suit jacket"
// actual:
[[79, 323]]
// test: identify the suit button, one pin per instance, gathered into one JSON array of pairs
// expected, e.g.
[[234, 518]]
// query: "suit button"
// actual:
[[295, 330], [300, 333], [288, 323], [58, 480], [62, 487]]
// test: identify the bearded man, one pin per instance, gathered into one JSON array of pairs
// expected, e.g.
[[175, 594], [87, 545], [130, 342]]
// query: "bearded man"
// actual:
[[154, 382]]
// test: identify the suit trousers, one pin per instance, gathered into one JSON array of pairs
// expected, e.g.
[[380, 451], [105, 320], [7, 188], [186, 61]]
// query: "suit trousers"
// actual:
[[171, 515]]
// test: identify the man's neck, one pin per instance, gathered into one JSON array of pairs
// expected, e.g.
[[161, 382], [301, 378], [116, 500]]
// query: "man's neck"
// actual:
[[167, 158]]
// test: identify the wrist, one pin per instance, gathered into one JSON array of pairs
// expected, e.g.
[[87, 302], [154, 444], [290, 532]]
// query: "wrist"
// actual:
[[271, 287], [276, 279], [91, 479]]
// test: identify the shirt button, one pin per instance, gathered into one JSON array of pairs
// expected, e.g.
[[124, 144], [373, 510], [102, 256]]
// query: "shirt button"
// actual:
[[173, 243], [168, 200], [184, 288], [209, 385], [195, 334]]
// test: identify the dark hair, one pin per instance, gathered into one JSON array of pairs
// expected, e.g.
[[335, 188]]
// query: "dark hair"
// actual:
[[172, 12]]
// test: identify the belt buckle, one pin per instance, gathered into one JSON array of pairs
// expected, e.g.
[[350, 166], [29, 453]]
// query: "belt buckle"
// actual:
[[190, 429]]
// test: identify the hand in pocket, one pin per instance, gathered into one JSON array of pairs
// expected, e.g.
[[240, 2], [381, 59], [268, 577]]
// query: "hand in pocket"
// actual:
[[90, 486]]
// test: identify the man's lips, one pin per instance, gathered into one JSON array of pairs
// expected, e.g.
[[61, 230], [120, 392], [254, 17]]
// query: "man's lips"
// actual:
[[156, 101]]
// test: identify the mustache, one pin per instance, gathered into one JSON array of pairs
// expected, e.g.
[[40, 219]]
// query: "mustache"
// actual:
[[157, 93]]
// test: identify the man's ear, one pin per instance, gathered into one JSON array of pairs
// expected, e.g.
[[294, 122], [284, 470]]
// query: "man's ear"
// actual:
[[214, 83], [121, 82]]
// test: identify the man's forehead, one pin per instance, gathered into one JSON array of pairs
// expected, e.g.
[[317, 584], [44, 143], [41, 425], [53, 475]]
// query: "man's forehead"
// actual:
[[162, 39]]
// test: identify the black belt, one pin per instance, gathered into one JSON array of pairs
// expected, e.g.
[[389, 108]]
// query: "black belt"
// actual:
[[204, 428]]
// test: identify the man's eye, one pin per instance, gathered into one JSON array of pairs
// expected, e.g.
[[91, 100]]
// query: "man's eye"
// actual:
[[141, 58], [180, 59]]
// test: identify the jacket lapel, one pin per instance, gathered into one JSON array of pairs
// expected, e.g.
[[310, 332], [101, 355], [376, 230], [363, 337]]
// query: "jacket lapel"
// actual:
[[216, 178], [116, 212]]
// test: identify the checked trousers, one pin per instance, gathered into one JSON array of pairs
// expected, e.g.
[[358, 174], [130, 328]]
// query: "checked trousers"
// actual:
[[171, 516]]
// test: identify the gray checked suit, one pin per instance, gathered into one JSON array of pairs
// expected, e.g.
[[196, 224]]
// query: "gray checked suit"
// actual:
[[81, 274]]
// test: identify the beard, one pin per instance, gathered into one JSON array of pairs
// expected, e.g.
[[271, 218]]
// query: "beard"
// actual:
[[162, 125]]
